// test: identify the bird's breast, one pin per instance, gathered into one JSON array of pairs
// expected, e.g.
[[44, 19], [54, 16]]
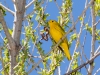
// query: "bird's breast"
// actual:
[[55, 34]]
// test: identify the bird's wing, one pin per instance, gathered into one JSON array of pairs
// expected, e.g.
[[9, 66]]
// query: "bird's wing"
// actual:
[[60, 29]]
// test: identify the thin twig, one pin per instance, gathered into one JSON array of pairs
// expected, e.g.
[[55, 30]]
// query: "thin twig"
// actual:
[[82, 24], [97, 71], [78, 38], [77, 42], [29, 4], [74, 26], [83, 46], [58, 70], [1, 37], [97, 22], [84, 64], [97, 50], [9, 10], [57, 5], [10, 39], [33, 11]]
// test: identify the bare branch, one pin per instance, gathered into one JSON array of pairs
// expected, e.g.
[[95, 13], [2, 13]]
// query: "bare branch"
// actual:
[[97, 50], [7, 9], [37, 64], [97, 71], [28, 5], [18, 19], [83, 46], [86, 2], [57, 5], [33, 11], [58, 70], [1, 37], [97, 22], [84, 11], [10, 39], [77, 42], [19, 7], [93, 38], [93, 30], [84, 64]]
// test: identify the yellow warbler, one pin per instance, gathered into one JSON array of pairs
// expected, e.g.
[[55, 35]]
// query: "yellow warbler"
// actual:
[[56, 32]]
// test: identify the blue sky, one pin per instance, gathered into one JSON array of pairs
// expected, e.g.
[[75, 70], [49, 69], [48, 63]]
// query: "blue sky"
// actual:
[[78, 6]]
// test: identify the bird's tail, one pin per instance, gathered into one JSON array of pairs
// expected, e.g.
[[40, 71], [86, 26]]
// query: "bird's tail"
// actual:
[[64, 46]]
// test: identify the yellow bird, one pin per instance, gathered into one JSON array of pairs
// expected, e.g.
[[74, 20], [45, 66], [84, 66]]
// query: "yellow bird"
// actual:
[[56, 32]]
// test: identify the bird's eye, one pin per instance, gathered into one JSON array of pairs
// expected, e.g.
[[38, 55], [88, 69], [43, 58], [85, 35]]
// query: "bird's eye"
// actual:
[[52, 21]]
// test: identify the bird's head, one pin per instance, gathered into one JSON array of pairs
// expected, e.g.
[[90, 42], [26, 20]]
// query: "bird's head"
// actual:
[[52, 22]]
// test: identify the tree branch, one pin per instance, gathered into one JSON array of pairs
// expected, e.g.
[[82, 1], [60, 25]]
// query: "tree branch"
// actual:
[[58, 70], [84, 11], [97, 50], [84, 64], [29, 4], [10, 39], [19, 7], [97, 22], [7, 9], [93, 38], [18, 19], [32, 11], [97, 71]]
